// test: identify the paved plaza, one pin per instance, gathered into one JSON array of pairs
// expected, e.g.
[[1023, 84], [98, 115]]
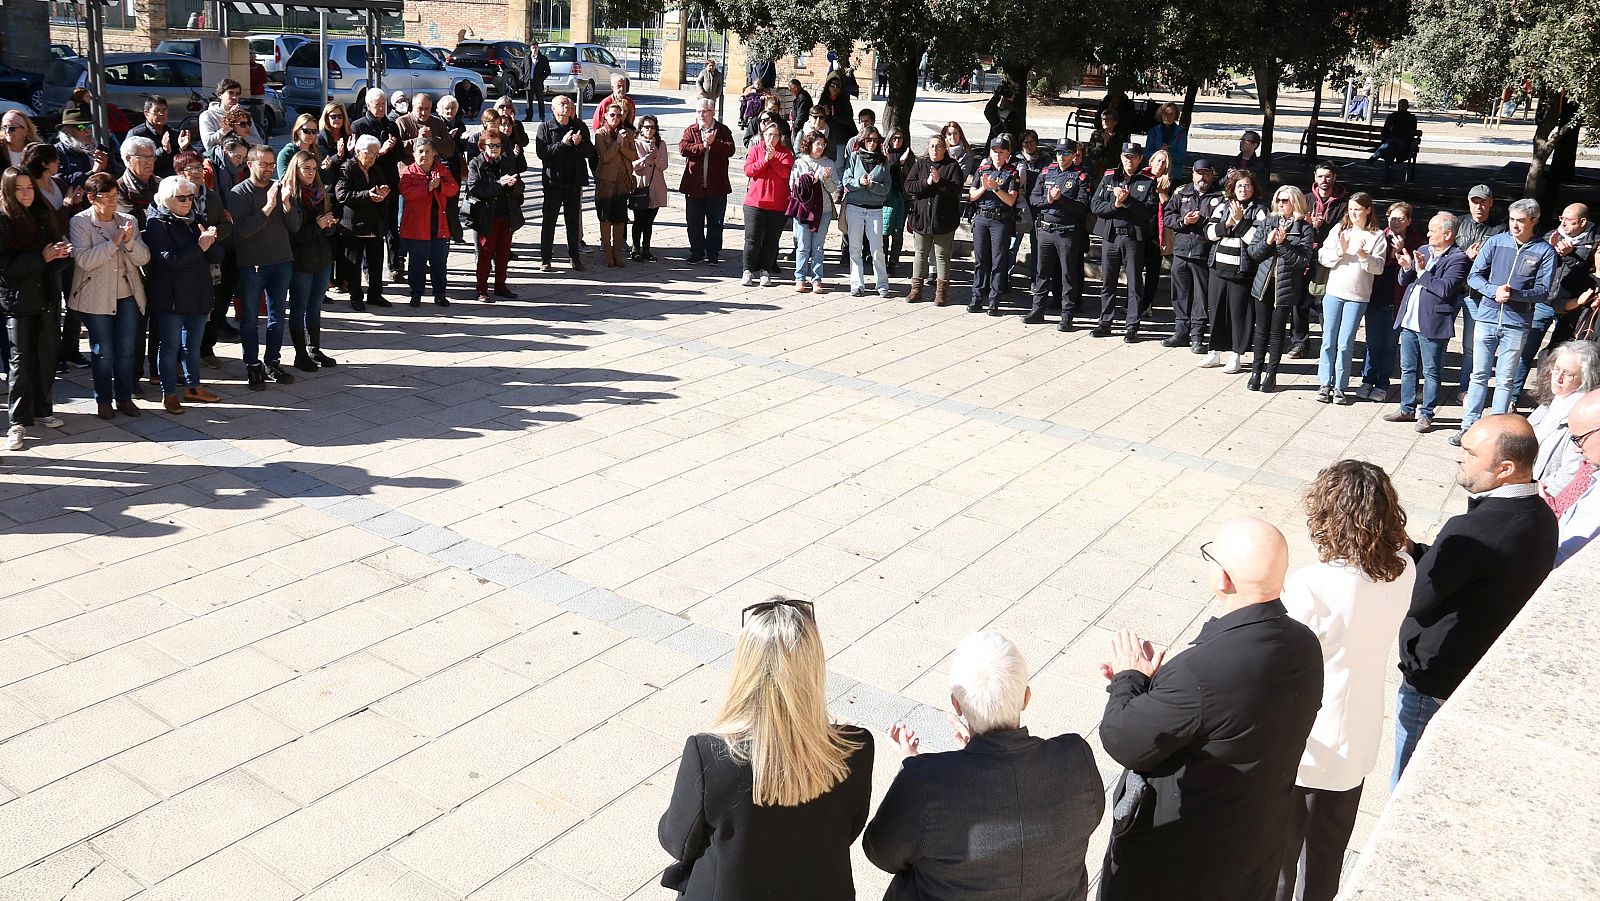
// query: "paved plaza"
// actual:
[[435, 623]]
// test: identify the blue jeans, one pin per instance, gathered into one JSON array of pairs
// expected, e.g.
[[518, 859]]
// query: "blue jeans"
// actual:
[[181, 335], [1497, 347], [1466, 332], [273, 281], [1381, 346], [1412, 712], [808, 250], [425, 257], [1340, 318], [1543, 316], [306, 290], [1427, 354], [114, 351]]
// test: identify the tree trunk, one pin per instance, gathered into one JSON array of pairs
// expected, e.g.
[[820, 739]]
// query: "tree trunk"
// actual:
[[1189, 95], [903, 80], [1316, 113], [1266, 73], [1018, 76], [1548, 130]]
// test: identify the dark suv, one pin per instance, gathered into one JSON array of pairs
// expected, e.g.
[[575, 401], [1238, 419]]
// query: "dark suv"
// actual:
[[503, 64]]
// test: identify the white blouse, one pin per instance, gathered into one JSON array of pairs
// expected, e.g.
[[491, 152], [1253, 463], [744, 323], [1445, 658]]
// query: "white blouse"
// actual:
[[1357, 620]]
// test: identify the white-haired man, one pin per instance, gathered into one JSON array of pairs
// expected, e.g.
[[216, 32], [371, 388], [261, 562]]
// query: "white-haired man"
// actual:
[[1008, 816]]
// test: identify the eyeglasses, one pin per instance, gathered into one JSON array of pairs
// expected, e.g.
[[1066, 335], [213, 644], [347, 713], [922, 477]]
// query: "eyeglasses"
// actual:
[[144, 156], [492, 146], [308, 131], [187, 198], [1578, 440], [1206, 555], [8, 129], [1283, 200], [805, 607]]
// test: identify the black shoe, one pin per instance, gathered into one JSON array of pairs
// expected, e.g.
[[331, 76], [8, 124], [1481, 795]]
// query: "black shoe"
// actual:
[[994, 308], [1301, 351], [358, 306], [1101, 331], [416, 301], [1255, 382], [648, 257], [442, 301], [1175, 340], [279, 375], [322, 359], [379, 302], [1065, 325], [1197, 346], [1269, 384], [305, 363], [1034, 317], [1130, 338], [975, 307], [256, 376], [693, 259]]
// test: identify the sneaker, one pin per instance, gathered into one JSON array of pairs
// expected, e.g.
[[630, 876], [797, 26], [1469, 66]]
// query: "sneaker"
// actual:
[[1424, 424], [1399, 416], [50, 422], [819, 288], [1455, 440], [275, 372], [885, 293], [1343, 399], [766, 280], [857, 291], [748, 279], [1234, 366], [484, 298], [1325, 394], [1211, 361], [14, 437], [546, 267]]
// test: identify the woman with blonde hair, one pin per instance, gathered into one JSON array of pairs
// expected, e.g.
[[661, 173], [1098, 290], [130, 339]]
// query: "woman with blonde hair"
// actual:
[[767, 803], [1281, 253], [1354, 599]]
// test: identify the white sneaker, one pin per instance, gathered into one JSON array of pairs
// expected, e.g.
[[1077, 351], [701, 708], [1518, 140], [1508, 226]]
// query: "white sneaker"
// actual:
[[1211, 361], [885, 293], [766, 279], [749, 278], [14, 437], [1233, 367], [50, 422]]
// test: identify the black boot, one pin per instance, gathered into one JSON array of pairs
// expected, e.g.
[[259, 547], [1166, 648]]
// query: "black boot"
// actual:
[[1036, 314], [975, 306], [994, 307], [322, 359], [302, 359], [1256, 370], [1269, 382]]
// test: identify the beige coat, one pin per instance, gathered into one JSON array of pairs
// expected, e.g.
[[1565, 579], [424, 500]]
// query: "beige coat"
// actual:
[[617, 152], [94, 273]]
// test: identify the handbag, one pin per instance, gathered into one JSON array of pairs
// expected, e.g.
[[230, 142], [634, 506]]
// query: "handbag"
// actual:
[[639, 199]]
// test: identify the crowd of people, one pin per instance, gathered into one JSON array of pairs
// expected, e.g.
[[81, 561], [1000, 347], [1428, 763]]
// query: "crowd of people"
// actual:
[[1245, 755]]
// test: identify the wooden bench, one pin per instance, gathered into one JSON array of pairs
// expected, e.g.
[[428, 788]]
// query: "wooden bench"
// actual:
[[1080, 119], [1357, 136]]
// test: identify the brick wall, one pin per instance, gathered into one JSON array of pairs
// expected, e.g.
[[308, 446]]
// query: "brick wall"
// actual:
[[440, 22]]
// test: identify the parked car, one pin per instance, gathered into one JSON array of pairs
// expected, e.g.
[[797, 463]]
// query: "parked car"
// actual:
[[23, 87], [504, 65], [189, 48], [407, 67], [59, 50], [442, 54], [129, 79], [273, 51], [577, 69]]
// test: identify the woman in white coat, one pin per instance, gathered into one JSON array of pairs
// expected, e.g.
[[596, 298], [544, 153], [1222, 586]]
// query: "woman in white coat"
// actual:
[[1354, 253]]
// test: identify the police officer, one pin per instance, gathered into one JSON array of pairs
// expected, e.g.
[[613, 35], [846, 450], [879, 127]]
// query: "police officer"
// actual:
[[1061, 205], [1125, 207], [994, 192], [1185, 215]]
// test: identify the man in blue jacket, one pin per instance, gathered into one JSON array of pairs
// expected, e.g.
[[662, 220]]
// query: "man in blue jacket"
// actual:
[[1432, 282], [1511, 274]]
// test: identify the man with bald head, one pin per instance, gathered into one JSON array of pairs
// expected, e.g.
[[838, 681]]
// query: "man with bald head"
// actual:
[[1474, 578], [1212, 739], [1578, 505]]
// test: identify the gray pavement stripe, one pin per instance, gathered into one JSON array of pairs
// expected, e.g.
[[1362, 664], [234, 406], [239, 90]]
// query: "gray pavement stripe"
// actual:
[[921, 400], [853, 700]]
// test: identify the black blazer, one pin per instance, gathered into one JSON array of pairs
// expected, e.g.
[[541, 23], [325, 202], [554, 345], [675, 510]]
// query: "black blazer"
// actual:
[[1217, 737], [1471, 582], [1005, 819], [1438, 294], [728, 848]]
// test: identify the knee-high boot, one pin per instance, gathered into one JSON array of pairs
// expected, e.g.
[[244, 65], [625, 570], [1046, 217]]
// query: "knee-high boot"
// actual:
[[619, 241]]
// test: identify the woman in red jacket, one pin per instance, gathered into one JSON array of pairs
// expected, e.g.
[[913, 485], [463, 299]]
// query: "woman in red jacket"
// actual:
[[427, 187], [766, 199]]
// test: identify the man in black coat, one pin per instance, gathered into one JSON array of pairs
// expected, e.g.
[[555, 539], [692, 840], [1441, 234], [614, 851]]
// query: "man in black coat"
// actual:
[[1186, 215], [1473, 580], [568, 154], [169, 142], [1125, 206], [1212, 740], [538, 72], [1005, 818], [799, 106]]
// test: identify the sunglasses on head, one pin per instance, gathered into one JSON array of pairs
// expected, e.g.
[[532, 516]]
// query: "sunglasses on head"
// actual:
[[805, 607]]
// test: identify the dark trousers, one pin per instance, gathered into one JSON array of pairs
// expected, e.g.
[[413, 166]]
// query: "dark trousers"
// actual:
[[761, 231], [1232, 315], [222, 301], [1189, 281], [1058, 270], [990, 237], [1300, 326], [1125, 253], [564, 202], [33, 338], [1383, 346], [429, 258], [1152, 270], [1271, 333], [494, 249], [705, 216], [397, 247], [535, 95], [1315, 837], [644, 223], [365, 253]]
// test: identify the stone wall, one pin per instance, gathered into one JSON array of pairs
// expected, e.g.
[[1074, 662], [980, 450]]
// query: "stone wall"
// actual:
[[1499, 800]]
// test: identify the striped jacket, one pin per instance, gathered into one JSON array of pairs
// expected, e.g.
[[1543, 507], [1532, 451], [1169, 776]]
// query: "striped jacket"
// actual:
[[1228, 244]]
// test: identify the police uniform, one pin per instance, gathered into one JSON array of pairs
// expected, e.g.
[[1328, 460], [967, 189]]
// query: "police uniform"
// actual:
[[1059, 228], [1124, 233], [993, 221], [1191, 259]]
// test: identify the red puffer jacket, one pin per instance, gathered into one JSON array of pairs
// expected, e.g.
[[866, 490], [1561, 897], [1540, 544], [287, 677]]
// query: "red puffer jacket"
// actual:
[[417, 211], [768, 171]]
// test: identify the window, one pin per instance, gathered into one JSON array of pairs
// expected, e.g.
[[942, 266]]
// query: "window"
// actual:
[[188, 73], [608, 59], [418, 58], [261, 46], [118, 75], [558, 54], [156, 74], [394, 58]]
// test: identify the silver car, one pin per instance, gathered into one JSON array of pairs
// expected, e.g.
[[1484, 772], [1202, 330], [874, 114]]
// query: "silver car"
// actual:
[[129, 79], [272, 51], [581, 70], [407, 67]]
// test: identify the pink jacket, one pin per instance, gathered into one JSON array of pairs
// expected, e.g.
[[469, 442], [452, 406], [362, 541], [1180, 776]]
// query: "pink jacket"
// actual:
[[768, 171]]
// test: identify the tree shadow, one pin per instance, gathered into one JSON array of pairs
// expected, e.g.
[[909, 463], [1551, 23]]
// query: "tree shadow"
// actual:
[[91, 497]]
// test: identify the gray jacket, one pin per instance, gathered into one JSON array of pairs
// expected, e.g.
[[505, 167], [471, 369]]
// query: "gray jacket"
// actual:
[[1007, 818]]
